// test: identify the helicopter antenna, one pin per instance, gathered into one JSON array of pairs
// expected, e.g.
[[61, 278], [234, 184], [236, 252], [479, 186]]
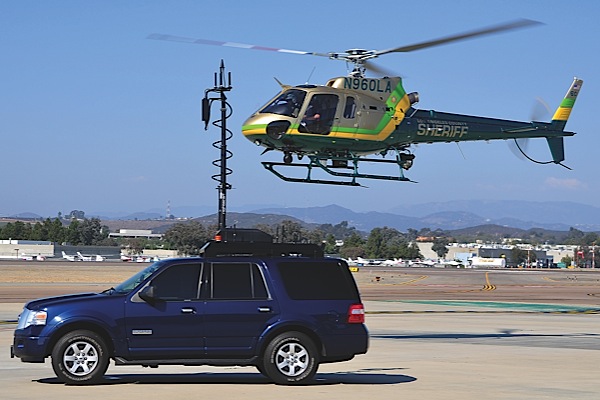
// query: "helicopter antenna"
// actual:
[[460, 149], [311, 74], [222, 85]]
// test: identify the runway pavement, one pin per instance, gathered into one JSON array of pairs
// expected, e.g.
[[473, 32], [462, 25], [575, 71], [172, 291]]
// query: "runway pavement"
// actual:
[[435, 334]]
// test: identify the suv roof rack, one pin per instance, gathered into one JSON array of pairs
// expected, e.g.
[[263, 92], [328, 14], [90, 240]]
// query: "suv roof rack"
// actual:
[[243, 235], [254, 242]]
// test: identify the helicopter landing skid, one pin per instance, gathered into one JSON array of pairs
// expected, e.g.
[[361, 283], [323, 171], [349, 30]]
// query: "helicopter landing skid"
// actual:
[[321, 163]]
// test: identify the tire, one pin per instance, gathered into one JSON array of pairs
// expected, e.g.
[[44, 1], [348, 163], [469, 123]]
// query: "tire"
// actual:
[[291, 358], [80, 357], [261, 369]]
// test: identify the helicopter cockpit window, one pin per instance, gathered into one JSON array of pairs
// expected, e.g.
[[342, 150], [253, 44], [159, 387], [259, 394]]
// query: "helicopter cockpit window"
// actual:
[[320, 114], [350, 108], [287, 103]]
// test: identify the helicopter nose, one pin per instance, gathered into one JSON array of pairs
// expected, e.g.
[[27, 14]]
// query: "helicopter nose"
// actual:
[[277, 129]]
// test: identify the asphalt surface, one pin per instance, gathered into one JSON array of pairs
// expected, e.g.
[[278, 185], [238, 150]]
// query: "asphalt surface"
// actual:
[[435, 333]]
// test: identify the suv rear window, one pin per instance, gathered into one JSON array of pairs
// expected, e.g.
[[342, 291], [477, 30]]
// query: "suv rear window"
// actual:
[[318, 281]]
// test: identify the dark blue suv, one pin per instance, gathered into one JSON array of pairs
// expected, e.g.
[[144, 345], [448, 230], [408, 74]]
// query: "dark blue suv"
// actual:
[[282, 308]]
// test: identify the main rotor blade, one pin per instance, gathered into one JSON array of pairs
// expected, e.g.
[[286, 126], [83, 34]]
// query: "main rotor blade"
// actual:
[[182, 39], [378, 69], [517, 24]]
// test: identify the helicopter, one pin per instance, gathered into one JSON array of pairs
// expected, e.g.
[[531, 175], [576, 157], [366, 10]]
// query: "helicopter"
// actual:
[[344, 123]]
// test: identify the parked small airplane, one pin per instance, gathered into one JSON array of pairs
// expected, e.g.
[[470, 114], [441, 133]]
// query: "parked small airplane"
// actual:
[[421, 263], [29, 257], [69, 257], [450, 263], [364, 261], [138, 258], [81, 257], [396, 262], [95, 257]]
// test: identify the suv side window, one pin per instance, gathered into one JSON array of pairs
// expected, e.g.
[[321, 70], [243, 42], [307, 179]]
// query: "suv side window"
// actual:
[[318, 281], [178, 282], [236, 281]]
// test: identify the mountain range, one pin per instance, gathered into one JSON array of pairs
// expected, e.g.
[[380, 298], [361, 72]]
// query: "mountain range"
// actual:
[[559, 216], [449, 215]]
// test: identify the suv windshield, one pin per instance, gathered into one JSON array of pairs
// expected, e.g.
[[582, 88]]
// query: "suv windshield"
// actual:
[[138, 278]]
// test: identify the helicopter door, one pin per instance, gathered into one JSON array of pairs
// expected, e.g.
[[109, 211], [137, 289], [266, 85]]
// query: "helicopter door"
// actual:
[[319, 115], [370, 112], [350, 116]]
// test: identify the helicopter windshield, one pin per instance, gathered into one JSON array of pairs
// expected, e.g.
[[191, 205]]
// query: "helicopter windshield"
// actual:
[[287, 103]]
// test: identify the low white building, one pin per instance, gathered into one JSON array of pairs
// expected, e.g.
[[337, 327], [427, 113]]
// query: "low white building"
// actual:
[[135, 233], [17, 249]]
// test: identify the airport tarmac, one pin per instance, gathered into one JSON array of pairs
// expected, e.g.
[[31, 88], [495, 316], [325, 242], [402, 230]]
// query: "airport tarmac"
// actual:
[[435, 333]]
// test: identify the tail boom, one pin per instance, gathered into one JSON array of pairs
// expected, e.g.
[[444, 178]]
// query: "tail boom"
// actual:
[[429, 126]]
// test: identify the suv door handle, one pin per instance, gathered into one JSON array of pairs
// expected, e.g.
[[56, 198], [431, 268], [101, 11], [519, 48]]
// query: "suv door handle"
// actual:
[[188, 310], [264, 309]]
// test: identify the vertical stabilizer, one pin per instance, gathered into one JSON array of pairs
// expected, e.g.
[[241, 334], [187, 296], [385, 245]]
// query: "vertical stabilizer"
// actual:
[[559, 120], [557, 148]]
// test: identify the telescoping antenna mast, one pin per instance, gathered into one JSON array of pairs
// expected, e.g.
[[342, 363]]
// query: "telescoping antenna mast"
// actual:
[[222, 85]]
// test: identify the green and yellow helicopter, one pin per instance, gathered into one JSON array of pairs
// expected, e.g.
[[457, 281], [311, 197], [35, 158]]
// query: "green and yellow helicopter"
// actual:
[[338, 125]]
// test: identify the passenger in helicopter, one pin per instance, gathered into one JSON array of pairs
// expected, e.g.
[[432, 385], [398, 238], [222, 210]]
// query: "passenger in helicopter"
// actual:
[[319, 115]]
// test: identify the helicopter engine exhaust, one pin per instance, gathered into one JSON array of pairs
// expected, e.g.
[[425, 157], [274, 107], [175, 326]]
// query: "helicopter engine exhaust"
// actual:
[[413, 98]]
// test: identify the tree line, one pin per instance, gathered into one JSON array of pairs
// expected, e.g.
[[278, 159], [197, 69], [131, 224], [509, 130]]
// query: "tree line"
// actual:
[[385, 242], [86, 232], [189, 237]]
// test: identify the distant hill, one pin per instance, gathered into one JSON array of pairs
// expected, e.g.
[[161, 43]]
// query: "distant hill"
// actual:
[[450, 215], [240, 220], [524, 214], [497, 233], [488, 229], [334, 214], [249, 220], [557, 216], [26, 215]]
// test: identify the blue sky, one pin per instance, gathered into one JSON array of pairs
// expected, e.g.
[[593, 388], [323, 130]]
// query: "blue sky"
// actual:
[[95, 117]]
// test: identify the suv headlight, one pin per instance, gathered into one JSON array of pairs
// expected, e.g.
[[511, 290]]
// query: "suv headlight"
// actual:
[[29, 317]]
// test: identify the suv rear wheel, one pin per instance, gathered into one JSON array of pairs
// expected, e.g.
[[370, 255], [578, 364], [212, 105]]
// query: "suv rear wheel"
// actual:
[[290, 358], [80, 357]]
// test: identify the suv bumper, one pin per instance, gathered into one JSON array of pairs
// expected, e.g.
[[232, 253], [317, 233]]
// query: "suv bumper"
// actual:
[[345, 347], [29, 348]]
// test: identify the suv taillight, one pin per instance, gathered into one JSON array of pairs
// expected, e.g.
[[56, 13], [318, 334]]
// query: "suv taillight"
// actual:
[[356, 314]]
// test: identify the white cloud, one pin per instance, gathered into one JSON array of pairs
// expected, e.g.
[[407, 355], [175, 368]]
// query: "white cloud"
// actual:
[[567, 184]]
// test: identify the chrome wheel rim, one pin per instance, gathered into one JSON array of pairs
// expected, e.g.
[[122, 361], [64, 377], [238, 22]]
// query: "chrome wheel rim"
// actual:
[[80, 358], [292, 359]]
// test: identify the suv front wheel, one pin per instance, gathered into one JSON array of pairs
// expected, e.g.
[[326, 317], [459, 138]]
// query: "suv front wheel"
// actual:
[[80, 357], [290, 358]]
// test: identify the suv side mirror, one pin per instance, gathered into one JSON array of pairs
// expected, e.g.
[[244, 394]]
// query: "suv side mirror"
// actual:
[[147, 294]]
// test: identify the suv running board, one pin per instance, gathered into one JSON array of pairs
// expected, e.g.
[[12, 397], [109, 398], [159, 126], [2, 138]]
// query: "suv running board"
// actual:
[[226, 362]]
